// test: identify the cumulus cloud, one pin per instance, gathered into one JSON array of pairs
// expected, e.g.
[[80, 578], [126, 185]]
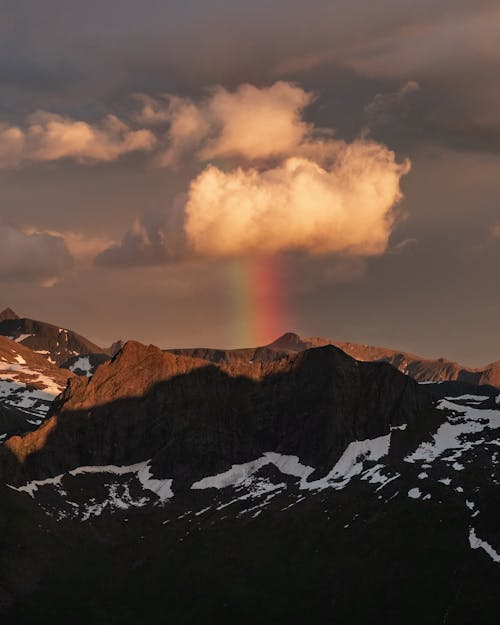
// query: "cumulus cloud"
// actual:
[[284, 185], [41, 257], [257, 123], [50, 137], [298, 205], [248, 123]]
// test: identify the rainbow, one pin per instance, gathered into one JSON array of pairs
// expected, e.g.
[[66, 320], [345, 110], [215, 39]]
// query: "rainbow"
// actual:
[[256, 300]]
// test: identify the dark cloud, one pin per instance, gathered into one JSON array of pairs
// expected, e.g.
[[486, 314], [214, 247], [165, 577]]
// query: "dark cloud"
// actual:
[[155, 239], [38, 256]]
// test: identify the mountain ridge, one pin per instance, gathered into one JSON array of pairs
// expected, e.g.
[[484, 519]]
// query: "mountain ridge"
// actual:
[[167, 488], [141, 383], [421, 369], [73, 351]]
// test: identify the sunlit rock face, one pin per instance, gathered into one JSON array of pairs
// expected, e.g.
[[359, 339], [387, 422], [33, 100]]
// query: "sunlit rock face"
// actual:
[[420, 369], [28, 385], [58, 345]]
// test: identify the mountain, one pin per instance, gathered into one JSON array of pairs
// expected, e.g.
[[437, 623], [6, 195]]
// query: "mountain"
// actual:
[[60, 346], [420, 369], [308, 488], [72, 351], [128, 395], [8, 313], [28, 385]]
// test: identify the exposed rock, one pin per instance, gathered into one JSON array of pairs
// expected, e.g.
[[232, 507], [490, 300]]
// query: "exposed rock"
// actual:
[[56, 344], [194, 418], [28, 385], [114, 348], [420, 369], [8, 313]]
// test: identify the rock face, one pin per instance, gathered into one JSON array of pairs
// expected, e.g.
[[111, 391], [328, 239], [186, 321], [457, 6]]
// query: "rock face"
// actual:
[[194, 419], [28, 385], [114, 348], [56, 344], [420, 369]]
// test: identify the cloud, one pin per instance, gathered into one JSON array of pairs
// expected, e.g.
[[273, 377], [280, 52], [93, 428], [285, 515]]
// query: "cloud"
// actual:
[[50, 137], [387, 108], [82, 247], [153, 240], [41, 257], [255, 123], [248, 123], [289, 186], [298, 205]]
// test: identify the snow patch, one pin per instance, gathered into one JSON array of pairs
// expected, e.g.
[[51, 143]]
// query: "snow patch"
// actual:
[[477, 543], [349, 465], [469, 397], [399, 427], [289, 465], [414, 493], [22, 337], [161, 488], [82, 364], [32, 487], [451, 434]]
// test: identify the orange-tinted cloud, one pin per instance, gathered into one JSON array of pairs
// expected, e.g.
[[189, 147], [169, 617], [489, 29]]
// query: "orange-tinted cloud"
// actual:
[[248, 123], [50, 137], [298, 205], [285, 185]]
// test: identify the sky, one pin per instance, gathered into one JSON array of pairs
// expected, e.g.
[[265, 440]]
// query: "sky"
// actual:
[[219, 172]]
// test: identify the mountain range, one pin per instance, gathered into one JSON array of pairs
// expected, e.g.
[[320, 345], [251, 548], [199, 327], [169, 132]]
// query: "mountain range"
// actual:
[[302, 482], [70, 350]]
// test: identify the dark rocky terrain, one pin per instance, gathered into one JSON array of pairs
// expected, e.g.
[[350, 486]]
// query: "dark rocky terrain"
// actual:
[[290, 483], [308, 488], [420, 369], [222, 415]]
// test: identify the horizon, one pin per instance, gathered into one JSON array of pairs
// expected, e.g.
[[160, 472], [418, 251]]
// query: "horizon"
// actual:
[[218, 174], [302, 336]]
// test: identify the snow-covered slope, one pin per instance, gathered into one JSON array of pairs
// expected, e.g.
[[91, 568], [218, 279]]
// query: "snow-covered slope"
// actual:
[[28, 386]]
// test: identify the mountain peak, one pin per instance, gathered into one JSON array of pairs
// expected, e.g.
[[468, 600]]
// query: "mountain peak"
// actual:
[[289, 340], [8, 313], [113, 349]]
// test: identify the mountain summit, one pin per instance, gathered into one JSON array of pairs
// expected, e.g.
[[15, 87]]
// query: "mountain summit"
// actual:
[[419, 368], [8, 313]]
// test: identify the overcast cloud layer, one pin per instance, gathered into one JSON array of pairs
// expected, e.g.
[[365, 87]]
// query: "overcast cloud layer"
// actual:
[[146, 146]]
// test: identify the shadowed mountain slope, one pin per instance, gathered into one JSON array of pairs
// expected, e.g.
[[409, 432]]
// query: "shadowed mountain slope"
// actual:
[[308, 488], [192, 418]]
